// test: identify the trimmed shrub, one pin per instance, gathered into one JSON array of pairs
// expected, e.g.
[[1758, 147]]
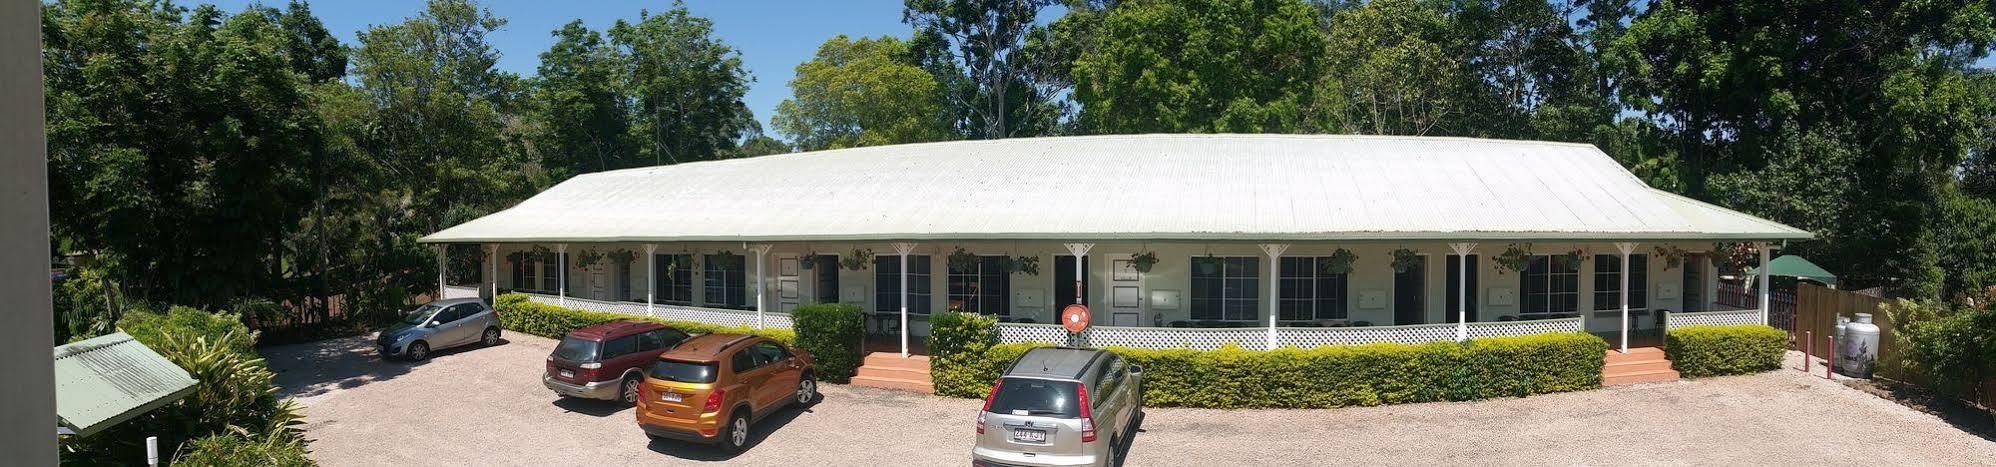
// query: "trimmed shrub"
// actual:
[[959, 345], [519, 313], [1332, 376], [833, 333], [1699, 351]]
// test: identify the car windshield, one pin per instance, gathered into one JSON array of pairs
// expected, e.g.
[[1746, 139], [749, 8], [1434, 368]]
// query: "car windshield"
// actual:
[[1039, 397], [684, 372], [420, 315], [576, 349]]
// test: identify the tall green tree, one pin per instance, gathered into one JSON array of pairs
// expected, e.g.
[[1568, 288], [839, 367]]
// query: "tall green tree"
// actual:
[[1395, 67], [862, 92], [581, 110], [686, 87], [1247, 66], [973, 47]]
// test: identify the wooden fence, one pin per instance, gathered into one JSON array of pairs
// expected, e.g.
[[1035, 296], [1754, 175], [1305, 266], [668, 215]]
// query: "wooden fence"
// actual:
[[1816, 312]]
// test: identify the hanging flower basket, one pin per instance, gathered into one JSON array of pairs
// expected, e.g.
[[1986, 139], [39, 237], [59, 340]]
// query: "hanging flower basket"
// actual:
[[1339, 262], [1672, 256], [1572, 259], [1143, 262], [858, 260], [1515, 258], [962, 262], [1405, 260], [623, 256], [1732, 257], [1028, 264], [588, 258], [808, 261], [1207, 265]]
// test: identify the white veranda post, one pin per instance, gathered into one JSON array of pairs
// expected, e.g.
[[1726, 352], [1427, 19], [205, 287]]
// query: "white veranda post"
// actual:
[[1274, 251], [651, 277], [561, 255], [492, 269], [1080, 252], [1762, 281], [903, 249], [1625, 248], [1462, 251], [440, 271], [760, 251]]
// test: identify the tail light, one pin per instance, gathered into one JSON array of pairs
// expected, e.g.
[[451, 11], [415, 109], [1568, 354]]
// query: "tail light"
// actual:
[[1087, 414], [987, 404], [714, 401], [592, 365]]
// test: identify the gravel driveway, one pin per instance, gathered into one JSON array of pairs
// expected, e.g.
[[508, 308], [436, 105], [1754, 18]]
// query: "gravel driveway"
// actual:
[[487, 406]]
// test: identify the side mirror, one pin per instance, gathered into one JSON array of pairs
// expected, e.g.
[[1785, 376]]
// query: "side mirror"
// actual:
[[436, 323]]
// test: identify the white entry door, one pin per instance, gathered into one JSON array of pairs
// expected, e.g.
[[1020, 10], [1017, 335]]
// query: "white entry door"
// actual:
[[786, 284]]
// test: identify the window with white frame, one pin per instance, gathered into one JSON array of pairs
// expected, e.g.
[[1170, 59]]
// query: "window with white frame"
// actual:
[[674, 274], [1608, 282], [887, 283], [551, 274], [726, 281], [984, 288], [1550, 285], [1307, 292], [1225, 288]]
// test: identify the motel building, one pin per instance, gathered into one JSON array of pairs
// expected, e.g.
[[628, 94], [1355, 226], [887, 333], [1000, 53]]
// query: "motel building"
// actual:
[[1193, 241]]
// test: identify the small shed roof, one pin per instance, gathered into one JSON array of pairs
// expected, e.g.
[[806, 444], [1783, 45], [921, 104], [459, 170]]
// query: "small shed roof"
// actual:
[[1128, 187], [108, 379]]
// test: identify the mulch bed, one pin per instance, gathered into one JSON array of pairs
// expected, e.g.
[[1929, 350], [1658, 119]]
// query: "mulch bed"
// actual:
[[1968, 417]]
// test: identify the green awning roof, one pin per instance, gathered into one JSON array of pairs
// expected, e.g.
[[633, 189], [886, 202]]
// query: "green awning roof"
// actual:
[[108, 379], [1795, 266]]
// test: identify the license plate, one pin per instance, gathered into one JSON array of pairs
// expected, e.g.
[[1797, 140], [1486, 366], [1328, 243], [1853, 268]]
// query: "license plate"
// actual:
[[568, 373], [1029, 436], [669, 396]]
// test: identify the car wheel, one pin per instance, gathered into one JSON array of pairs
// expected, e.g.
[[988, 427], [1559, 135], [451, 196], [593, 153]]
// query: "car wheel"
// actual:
[[419, 351], [807, 390], [491, 337], [629, 391], [737, 435]]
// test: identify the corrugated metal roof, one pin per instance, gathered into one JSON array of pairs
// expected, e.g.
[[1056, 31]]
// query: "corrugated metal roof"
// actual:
[[108, 379], [1129, 187]]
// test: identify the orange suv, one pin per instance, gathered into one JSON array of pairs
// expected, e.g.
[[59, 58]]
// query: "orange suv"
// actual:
[[713, 387]]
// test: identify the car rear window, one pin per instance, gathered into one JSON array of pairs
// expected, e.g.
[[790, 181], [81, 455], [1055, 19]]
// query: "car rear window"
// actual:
[[684, 372], [576, 349], [1037, 397]]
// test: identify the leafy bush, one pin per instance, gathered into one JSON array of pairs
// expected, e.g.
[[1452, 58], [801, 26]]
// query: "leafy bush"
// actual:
[[833, 333], [233, 391], [1955, 352], [1333, 376], [958, 353], [519, 313], [1698, 351], [237, 450]]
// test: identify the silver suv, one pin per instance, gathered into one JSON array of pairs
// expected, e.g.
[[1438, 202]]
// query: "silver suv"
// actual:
[[439, 325], [1060, 406]]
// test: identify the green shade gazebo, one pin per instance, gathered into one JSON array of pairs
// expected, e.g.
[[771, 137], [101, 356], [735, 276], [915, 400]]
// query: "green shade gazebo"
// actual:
[[1795, 266]]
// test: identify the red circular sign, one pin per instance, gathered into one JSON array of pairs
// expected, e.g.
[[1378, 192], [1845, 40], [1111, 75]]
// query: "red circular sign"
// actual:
[[1074, 317]]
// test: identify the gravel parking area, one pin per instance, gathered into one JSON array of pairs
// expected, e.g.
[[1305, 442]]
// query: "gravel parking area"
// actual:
[[487, 406]]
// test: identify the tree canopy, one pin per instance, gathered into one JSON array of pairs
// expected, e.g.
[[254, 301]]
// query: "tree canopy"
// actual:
[[862, 92]]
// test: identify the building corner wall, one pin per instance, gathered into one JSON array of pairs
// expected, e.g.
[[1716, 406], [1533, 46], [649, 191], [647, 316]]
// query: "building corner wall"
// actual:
[[27, 393]]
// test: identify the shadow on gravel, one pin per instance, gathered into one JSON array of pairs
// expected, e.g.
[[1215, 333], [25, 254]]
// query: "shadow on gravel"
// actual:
[[715, 453], [1967, 418], [314, 368], [590, 407]]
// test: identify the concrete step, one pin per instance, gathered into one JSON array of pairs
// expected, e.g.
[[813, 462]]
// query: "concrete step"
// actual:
[[894, 360], [899, 384], [1635, 366], [1646, 376], [895, 373]]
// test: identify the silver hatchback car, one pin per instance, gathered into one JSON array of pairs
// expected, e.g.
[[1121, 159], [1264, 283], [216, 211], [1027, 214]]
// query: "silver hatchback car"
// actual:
[[1060, 406], [439, 325]]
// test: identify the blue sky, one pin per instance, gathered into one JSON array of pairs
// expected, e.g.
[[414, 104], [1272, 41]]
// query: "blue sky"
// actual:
[[774, 36]]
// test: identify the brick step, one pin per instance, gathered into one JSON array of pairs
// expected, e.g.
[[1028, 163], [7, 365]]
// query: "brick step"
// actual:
[[895, 373], [1634, 366], [894, 360], [1636, 354], [1647, 376], [898, 384]]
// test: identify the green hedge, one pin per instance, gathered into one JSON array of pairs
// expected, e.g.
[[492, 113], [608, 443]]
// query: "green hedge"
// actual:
[[833, 333], [968, 359], [1698, 351], [519, 313]]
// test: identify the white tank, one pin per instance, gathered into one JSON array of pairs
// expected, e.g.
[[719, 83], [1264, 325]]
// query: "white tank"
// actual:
[[1859, 352]]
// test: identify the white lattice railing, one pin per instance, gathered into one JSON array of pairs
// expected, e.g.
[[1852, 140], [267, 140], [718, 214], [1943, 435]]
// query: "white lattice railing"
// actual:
[[1717, 318], [1257, 338], [671, 312], [460, 291]]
